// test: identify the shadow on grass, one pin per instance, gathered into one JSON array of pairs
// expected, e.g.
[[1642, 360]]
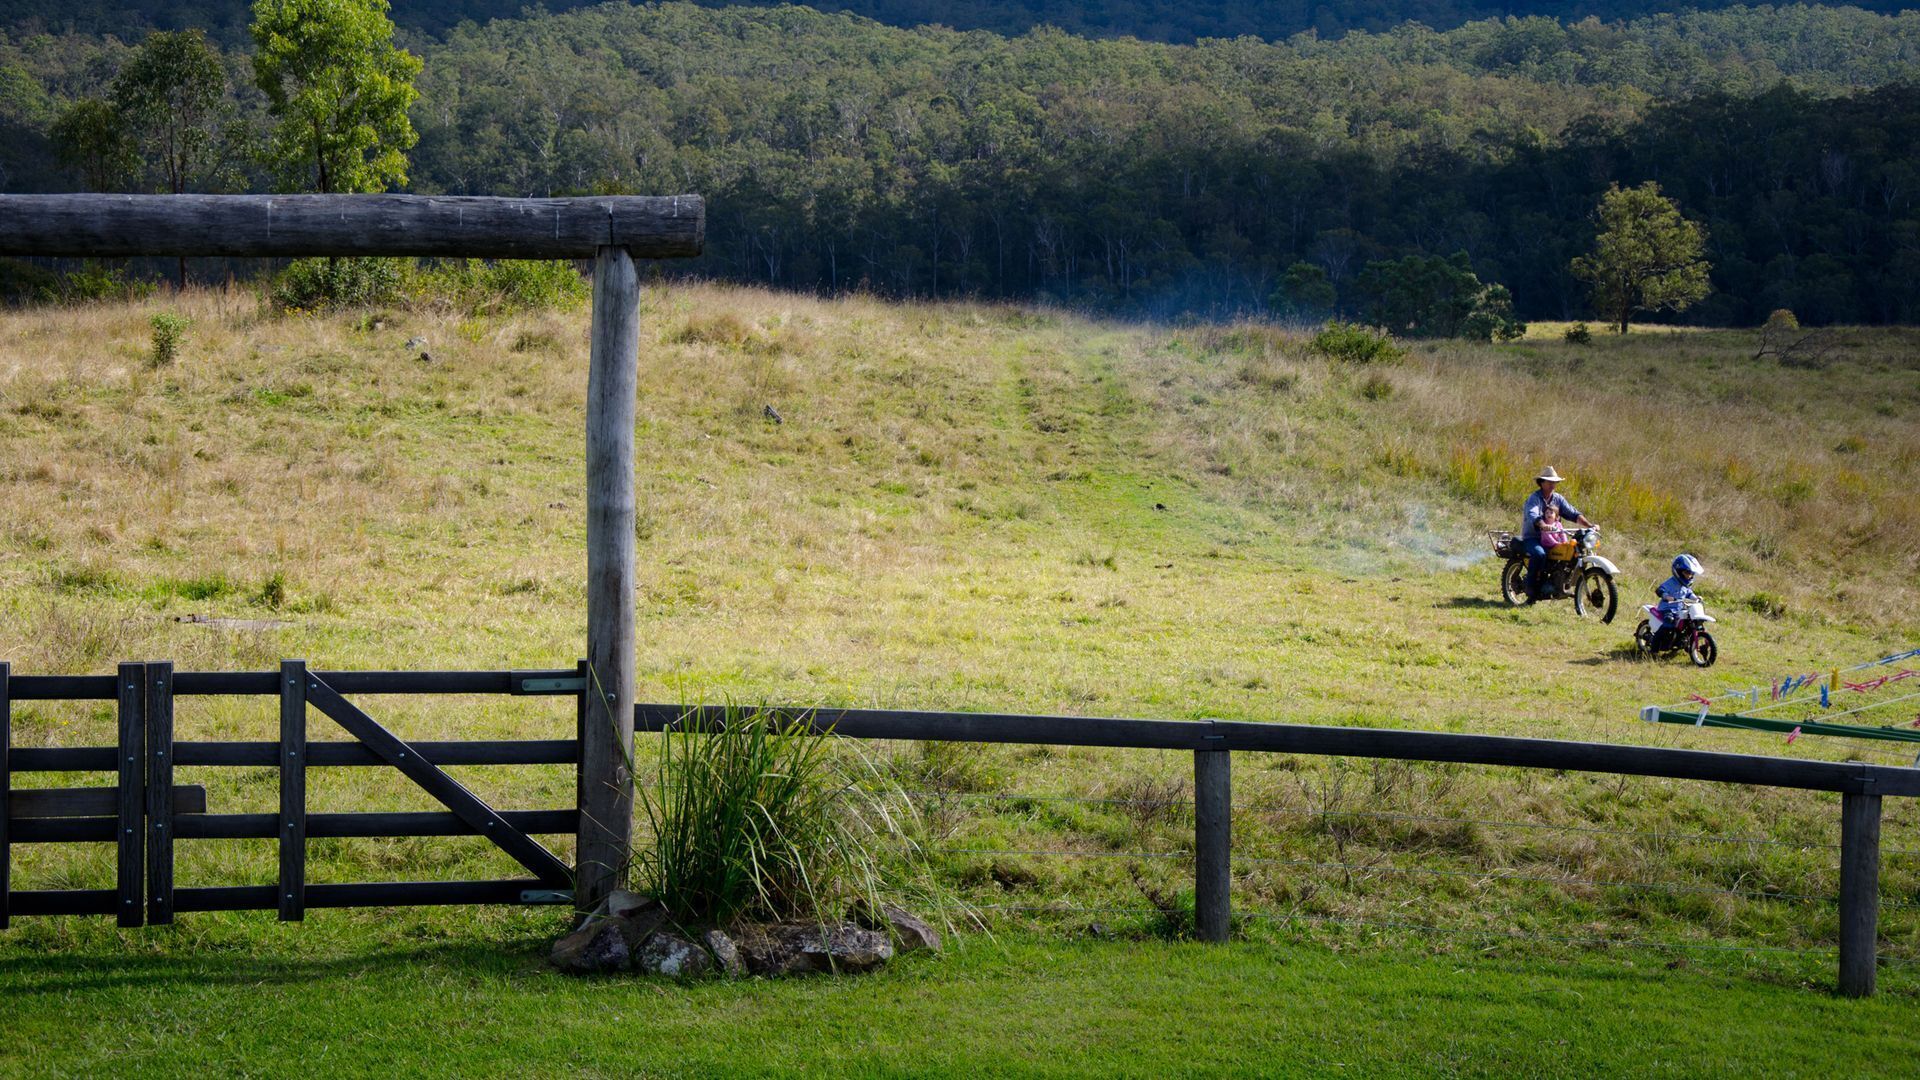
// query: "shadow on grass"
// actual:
[[1619, 654], [66, 973], [1476, 603]]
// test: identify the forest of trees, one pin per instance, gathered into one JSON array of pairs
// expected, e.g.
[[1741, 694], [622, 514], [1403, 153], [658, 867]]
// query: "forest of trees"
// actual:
[[1178, 21], [1162, 180]]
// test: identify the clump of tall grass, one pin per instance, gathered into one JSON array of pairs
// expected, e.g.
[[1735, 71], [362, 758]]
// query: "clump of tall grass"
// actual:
[[756, 817], [725, 329], [1491, 473]]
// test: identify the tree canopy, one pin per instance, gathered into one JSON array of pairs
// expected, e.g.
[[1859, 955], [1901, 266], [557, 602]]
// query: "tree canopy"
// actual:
[[1219, 179], [1180, 21], [338, 90], [1646, 257], [168, 96]]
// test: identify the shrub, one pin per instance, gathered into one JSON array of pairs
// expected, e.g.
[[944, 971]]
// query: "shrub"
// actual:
[[1427, 296], [1376, 388], [1492, 326], [325, 284], [168, 330], [1782, 319], [755, 818], [1767, 605], [24, 283], [1492, 317], [1355, 344], [477, 287], [93, 282], [1579, 334]]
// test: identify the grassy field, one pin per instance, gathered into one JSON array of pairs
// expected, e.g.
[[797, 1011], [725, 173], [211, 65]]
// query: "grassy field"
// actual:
[[993, 508], [306, 1002]]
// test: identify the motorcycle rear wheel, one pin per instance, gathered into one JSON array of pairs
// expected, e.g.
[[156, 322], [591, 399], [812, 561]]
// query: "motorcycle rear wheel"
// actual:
[[1702, 651], [1594, 594], [1643, 637], [1513, 583]]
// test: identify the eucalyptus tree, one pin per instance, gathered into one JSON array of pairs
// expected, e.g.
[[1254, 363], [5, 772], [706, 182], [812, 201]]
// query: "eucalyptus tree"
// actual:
[[1647, 256], [338, 89]]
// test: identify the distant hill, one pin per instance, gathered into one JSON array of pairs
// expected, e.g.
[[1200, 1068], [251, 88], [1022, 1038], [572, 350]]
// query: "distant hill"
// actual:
[[1222, 178], [1154, 20]]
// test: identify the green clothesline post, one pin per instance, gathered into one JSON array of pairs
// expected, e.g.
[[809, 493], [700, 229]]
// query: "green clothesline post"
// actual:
[[1761, 723]]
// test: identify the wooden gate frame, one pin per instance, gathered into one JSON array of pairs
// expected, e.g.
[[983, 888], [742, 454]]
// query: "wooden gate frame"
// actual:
[[612, 231], [145, 812]]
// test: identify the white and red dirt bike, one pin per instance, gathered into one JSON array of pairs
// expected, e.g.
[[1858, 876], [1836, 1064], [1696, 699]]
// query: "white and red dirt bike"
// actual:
[[1587, 578], [1688, 631]]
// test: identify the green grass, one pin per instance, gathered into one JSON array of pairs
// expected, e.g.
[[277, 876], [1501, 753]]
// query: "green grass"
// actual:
[[343, 996], [983, 508]]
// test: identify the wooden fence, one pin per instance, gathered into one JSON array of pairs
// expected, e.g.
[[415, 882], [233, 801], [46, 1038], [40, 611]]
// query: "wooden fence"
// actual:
[[145, 813]]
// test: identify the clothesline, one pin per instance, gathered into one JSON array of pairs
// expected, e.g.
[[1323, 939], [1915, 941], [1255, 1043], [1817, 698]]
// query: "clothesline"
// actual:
[[1781, 691], [1786, 691]]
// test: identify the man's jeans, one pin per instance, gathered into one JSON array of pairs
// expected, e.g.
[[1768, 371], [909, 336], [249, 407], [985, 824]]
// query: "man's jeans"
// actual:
[[1536, 568]]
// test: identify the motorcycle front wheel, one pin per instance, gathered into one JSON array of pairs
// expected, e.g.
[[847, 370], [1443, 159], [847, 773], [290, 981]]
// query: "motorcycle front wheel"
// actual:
[[1513, 583], [1594, 594], [1702, 651]]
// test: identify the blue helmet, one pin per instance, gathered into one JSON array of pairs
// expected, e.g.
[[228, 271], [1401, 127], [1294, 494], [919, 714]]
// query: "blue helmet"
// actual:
[[1686, 567]]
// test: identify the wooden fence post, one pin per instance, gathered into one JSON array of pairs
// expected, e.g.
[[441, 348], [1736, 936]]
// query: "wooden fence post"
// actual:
[[6, 786], [291, 896], [131, 827], [1859, 892], [159, 691], [1213, 843], [606, 753]]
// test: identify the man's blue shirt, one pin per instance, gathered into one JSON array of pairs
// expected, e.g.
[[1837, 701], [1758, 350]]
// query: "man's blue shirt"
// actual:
[[1536, 506]]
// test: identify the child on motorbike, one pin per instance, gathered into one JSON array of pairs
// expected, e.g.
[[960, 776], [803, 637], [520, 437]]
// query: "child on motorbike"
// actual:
[[1675, 593], [1553, 533]]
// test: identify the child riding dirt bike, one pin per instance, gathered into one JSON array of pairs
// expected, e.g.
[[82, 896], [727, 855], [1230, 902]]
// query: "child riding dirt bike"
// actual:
[[1675, 593]]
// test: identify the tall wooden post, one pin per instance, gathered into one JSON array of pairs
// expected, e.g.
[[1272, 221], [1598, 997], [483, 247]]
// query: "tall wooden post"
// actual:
[[1859, 893], [1213, 844], [606, 750]]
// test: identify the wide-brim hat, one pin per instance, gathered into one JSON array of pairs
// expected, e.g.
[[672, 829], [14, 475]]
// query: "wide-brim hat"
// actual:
[[1547, 474]]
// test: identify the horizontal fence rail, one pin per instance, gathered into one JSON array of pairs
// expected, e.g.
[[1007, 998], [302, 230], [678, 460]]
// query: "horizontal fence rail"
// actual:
[[1384, 743], [560, 681], [465, 226], [146, 812]]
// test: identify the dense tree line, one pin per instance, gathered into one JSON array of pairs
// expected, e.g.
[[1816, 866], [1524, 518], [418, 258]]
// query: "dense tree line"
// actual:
[[1178, 21], [838, 153]]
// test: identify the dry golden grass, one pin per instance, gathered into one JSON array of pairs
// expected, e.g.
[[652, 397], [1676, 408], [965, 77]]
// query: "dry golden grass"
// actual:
[[980, 507]]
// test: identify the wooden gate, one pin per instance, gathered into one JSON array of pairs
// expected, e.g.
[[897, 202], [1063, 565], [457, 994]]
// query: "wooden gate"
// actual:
[[146, 813]]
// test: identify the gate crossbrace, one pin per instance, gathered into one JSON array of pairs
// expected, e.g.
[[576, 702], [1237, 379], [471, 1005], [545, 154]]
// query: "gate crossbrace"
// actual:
[[450, 792]]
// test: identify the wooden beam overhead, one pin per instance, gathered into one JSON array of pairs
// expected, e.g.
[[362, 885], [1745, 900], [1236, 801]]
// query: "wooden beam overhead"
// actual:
[[283, 226]]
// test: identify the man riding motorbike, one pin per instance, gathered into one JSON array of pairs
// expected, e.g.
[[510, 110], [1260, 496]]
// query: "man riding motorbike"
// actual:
[[1537, 504]]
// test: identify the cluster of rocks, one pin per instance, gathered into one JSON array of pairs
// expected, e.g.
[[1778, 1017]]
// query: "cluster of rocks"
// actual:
[[628, 932]]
